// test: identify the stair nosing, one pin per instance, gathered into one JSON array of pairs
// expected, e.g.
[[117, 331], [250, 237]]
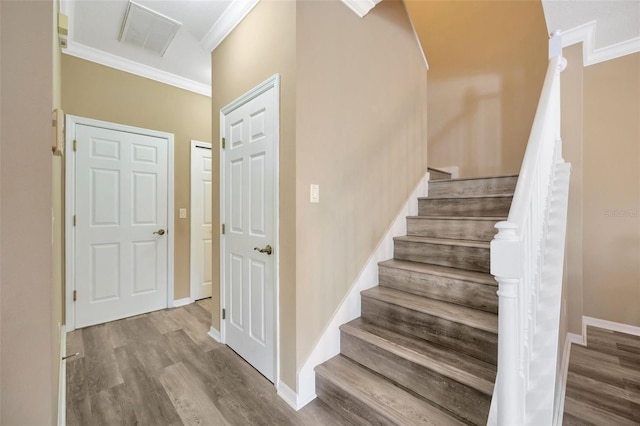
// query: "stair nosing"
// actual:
[[358, 393], [484, 278], [467, 197], [468, 379], [444, 241], [477, 178], [479, 319], [469, 218]]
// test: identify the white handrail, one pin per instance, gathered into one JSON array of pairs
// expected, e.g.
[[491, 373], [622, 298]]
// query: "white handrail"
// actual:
[[524, 257]]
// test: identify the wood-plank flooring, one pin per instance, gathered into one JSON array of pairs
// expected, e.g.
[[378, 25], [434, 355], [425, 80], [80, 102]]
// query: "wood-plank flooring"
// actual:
[[162, 368], [603, 384]]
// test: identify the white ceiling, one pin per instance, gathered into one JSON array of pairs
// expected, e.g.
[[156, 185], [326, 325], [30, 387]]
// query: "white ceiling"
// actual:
[[95, 25], [617, 20]]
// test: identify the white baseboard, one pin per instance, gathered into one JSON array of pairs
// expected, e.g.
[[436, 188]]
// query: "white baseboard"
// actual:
[[62, 385], [291, 397], [328, 345], [576, 338], [181, 302], [564, 371], [214, 334], [607, 325]]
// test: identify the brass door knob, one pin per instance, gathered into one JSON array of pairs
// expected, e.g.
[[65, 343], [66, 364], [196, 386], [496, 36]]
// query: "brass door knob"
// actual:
[[267, 250], [160, 232]]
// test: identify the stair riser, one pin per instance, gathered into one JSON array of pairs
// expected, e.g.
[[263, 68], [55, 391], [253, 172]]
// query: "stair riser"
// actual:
[[494, 206], [489, 186], [438, 175], [462, 257], [474, 230], [351, 408], [466, 402], [477, 343], [478, 296]]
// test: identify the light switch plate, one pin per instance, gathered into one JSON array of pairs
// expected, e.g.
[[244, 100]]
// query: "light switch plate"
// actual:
[[314, 193], [182, 213]]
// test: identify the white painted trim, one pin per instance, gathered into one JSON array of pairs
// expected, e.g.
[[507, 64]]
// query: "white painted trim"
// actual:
[[122, 64], [193, 245], [290, 397], [272, 82], [328, 345], [361, 7], [576, 338], [214, 334], [607, 325], [69, 191], [564, 370], [181, 302], [230, 18], [586, 33], [62, 379]]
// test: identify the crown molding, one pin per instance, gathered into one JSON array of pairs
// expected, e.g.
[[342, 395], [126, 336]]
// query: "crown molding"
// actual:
[[103, 58], [586, 34], [230, 18], [361, 7]]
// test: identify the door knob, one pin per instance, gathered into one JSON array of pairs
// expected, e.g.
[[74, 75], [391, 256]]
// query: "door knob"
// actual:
[[267, 250], [160, 232]]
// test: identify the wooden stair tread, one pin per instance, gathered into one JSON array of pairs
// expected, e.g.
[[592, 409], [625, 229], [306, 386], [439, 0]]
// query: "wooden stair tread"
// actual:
[[394, 403], [474, 218], [444, 241], [477, 178], [481, 320], [444, 271], [465, 197], [589, 414], [462, 368]]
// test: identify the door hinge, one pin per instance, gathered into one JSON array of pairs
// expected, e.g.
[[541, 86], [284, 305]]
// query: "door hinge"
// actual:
[[222, 143], [74, 220], [75, 145], [222, 229], [75, 295], [224, 313]]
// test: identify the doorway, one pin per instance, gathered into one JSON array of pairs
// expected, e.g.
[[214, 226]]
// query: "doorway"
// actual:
[[201, 169], [249, 249], [119, 221]]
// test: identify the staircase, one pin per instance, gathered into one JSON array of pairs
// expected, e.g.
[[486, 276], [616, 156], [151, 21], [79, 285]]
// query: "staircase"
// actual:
[[424, 350]]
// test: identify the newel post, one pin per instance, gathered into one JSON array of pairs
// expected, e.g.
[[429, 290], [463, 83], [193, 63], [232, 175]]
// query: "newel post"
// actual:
[[506, 266]]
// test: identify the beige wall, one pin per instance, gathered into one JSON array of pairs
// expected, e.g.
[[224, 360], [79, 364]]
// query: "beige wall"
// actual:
[[361, 135], [26, 333], [487, 61], [102, 93], [262, 45], [611, 184], [57, 201], [601, 134], [572, 131]]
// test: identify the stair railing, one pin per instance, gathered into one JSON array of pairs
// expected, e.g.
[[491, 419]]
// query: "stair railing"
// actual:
[[527, 261]]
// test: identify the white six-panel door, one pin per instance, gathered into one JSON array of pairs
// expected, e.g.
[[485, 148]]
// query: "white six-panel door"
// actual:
[[249, 160], [121, 223], [200, 220]]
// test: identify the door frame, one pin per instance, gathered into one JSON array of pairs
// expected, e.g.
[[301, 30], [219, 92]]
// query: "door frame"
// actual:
[[272, 82], [70, 205], [192, 246]]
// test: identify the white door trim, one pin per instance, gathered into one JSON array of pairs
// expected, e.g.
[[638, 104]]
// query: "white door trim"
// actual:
[[271, 83], [70, 204], [192, 244]]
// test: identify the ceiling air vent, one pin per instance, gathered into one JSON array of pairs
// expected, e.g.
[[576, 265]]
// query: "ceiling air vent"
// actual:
[[148, 29]]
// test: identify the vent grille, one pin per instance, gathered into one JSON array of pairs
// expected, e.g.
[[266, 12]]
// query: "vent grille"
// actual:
[[148, 29]]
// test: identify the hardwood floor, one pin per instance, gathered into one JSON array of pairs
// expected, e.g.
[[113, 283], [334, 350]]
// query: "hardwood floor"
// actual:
[[162, 368], [603, 384]]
